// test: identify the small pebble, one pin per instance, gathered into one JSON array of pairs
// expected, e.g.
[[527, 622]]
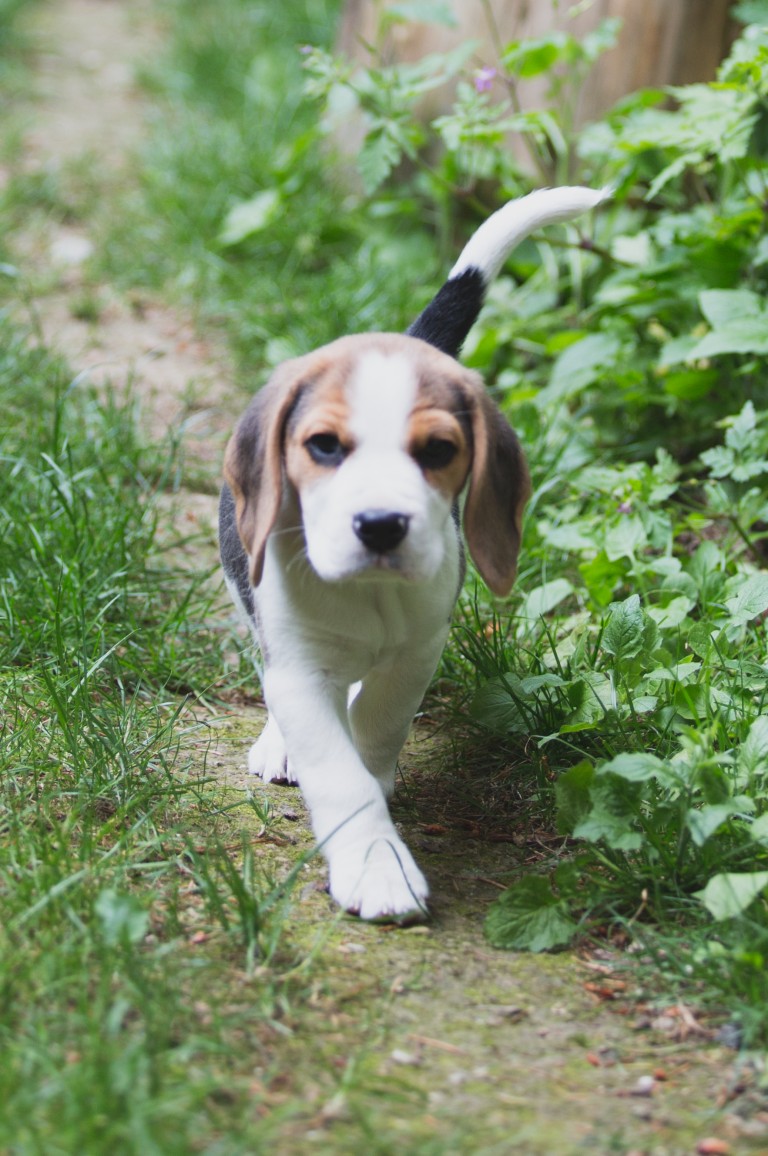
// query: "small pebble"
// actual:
[[644, 1086], [71, 249]]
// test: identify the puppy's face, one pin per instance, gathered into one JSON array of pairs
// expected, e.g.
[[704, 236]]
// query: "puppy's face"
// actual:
[[378, 447], [377, 435]]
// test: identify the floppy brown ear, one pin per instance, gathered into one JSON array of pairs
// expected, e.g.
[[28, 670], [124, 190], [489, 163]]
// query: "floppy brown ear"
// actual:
[[499, 487], [253, 463]]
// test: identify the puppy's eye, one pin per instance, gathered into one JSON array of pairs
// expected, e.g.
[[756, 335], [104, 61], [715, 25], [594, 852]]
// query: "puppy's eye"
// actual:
[[436, 454], [325, 449]]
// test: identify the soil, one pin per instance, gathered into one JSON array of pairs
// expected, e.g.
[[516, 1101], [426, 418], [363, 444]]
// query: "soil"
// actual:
[[455, 1046]]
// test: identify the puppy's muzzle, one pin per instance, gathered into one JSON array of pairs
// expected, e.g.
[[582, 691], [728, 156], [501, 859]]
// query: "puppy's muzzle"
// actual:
[[381, 531]]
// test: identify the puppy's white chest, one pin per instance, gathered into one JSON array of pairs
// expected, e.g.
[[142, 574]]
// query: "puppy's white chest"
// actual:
[[353, 625]]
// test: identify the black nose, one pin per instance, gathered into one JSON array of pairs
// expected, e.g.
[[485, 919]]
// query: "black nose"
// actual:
[[380, 530]]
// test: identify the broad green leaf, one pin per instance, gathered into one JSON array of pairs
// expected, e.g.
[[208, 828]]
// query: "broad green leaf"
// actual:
[[572, 796], [722, 306], [249, 217], [750, 600], [751, 11], [569, 538], [590, 696], [743, 335], [720, 460], [702, 822], [579, 366], [376, 159], [753, 754], [741, 431], [676, 350], [680, 672], [600, 577], [526, 58], [727, 895], [699, 639], [668, 173], [691, 383], [673, 614], [595, 43], [759, 830], [637, 767], [494, 705], [612, 816], [529, 917], [122, 918], [535, 682], [644, 703], [544, 598], [625, 539], [604, 824], [623, 634]]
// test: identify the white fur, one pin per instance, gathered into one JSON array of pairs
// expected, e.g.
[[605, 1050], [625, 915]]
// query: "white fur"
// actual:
[[384, 621], [381, 393], [488, 248], [378, 475], [386, 635]]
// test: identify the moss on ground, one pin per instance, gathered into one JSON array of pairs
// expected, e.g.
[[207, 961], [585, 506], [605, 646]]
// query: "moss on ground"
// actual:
[[428, 1040]]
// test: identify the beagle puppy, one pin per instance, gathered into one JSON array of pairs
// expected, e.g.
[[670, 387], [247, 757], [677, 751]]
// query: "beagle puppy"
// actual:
[[341, 545]]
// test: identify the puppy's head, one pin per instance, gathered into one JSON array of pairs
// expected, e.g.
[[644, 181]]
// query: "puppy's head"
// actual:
[[376, 435]]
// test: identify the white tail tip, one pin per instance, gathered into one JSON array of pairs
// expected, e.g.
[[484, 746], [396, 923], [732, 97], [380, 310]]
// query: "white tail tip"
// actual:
[[489, 247]]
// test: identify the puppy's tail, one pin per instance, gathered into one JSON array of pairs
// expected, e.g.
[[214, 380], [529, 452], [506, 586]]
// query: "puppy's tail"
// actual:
[[452, 312]]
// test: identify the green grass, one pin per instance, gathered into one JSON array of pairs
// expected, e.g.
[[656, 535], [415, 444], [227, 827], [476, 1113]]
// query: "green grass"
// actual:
[[117, 1025], [104, 789], [234, 125]]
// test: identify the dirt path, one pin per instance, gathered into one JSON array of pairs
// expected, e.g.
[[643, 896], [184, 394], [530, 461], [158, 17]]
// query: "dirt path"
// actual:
[[452, 1044]]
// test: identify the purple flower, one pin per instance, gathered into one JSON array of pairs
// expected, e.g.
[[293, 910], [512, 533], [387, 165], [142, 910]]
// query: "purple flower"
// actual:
[[484, 78]]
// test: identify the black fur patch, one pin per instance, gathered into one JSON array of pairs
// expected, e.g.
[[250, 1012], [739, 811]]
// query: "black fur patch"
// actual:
[[451, 313], [233, 557]]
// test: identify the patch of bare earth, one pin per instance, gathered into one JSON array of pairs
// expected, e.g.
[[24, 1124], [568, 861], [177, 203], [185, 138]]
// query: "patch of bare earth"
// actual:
[[448, 1038]]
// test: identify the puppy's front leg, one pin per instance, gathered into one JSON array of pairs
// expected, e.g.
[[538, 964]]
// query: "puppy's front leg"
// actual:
[[382, 713], [372, 872]]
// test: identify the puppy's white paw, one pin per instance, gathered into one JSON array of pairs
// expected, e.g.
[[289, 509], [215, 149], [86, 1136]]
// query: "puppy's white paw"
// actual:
[[379, 880], [268, 757]]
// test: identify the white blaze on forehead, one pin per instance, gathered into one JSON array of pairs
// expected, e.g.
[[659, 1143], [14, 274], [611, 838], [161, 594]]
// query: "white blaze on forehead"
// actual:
[[381, 393]]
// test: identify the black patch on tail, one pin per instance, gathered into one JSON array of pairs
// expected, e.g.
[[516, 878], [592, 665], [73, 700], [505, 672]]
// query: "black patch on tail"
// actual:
[[452, 312]]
